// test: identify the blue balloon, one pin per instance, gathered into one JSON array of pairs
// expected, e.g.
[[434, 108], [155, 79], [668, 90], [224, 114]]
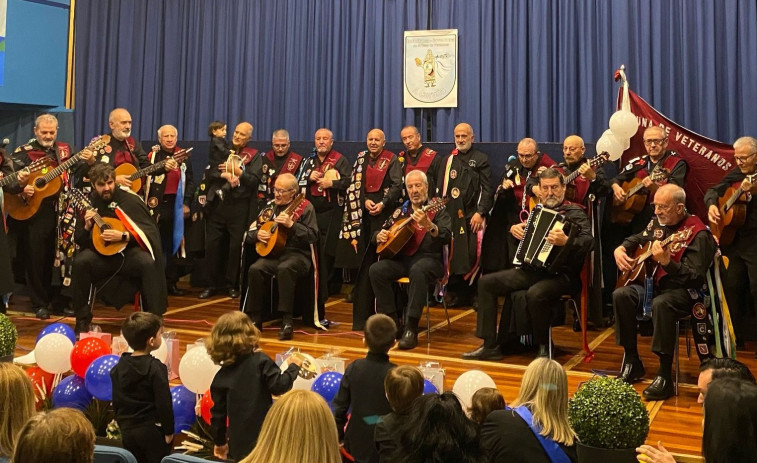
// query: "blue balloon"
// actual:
[[183, 408], [429, 388], [327, 385], [61, 328], [71, 392], [97, 377]]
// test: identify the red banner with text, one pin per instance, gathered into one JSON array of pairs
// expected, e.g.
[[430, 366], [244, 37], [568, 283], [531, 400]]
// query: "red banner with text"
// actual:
[[708, 160]]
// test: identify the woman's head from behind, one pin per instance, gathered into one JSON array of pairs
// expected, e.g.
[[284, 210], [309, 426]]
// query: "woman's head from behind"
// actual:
[[17, 399], [232, 335], [63, 435], [299, 428], [730, 405]]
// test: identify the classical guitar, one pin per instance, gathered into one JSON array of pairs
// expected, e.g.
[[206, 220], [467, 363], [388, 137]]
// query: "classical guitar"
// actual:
[[135, 175], [47, 183], [732, 208], [637, 274], [35, 166], [278, 240], [106, 248], [624, 211], [570, 186], [402, 230]]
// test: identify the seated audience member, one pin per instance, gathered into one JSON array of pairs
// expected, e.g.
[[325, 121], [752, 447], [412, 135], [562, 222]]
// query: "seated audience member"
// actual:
[[717, 368], [483, 402], [730, 425], [538, 419], [298, 428], [403, 385], [438, 431], [17, 397], [63, 435], [362, 390], [242, 388]]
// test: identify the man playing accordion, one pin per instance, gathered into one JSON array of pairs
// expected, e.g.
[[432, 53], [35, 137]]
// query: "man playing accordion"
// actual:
[[543, 280]]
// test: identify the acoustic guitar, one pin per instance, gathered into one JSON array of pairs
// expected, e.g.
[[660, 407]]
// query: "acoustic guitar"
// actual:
[[732, 208], [135, 175], [570, 185], [637, 274], [402, 230], [35, 166], [47, 183], [278, 240], [106, 248], [623, 212]]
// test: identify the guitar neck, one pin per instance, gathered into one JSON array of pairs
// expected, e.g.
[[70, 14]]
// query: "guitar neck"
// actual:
[[648, 253], [148, 170], [737, 194], [5, 181], [62, 167]]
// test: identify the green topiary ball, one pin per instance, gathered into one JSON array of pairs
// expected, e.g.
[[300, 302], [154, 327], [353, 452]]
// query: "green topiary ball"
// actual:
[[608, 413], [8, 335]]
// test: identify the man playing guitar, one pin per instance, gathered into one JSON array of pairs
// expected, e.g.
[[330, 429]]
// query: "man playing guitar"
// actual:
[[420, 258]]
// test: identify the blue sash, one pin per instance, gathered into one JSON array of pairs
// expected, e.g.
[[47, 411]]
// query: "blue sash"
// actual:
[[178, 213], [554, 452]]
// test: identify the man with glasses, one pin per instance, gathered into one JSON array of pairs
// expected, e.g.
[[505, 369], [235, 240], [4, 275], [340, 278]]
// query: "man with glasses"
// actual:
[[280, 160], [511, 204], [668, 294], [288, 266], [741, 252]]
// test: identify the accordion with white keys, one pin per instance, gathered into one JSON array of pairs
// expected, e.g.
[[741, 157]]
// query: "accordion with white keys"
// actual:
[[533, 250]]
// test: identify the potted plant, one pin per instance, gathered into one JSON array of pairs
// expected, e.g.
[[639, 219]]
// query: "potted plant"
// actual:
[[8, 337], [610, 420]]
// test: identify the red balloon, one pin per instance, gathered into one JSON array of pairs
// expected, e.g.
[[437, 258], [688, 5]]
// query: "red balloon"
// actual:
[[85, 351], [205, 405], [42, 381]]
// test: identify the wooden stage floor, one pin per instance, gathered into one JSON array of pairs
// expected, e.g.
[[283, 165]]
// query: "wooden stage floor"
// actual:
[[676, 422]]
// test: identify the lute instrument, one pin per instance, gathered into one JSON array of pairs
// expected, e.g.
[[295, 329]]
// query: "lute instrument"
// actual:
[[135, 176], [637, 274], [402, 230], [624, 211], [278, 240], [106, 248], [732, 208], [47, 183]]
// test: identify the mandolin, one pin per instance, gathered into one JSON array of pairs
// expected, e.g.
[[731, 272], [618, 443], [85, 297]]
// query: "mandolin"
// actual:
[[278, 240], [623, 212], [636, 274], [402, 230], [135, 175], [47, 183], [732, 208], [106, 248]]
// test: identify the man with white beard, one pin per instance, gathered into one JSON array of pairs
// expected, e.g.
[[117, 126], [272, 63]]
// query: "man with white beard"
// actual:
[[123, 148]]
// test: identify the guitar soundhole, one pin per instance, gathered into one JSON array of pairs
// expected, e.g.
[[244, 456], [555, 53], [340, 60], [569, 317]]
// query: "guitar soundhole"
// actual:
[[39, 182], [106, 227]]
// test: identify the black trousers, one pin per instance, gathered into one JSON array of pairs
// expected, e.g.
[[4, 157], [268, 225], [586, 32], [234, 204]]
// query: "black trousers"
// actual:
[[135, 263], [328, 234], [226, 224], [287, 268], [542, 294], [147, 443], [668, 307], [36, 249], [740, 285], [422, 269], [165, 226]]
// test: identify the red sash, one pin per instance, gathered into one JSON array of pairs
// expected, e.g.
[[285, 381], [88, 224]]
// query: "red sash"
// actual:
[[518, 188], [290, 166], [123, 157], [677, 249], [425, 157], [415, 242], [173, 177], [580, 186], [247, 154], [328, 163], [374, 174], [669, 163]]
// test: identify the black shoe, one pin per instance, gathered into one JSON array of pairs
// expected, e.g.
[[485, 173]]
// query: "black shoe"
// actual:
[[207, 292], [233, 293], [409, 340], [543, 351], [82, 326], [660, 389], [41, 313], [286, 333], [484, 353], [632, 371], [173, 290]]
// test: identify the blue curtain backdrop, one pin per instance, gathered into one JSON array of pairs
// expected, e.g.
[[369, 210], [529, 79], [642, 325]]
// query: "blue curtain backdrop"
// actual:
[[539, 68]]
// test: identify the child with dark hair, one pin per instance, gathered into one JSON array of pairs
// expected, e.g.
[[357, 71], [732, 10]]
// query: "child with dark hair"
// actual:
[[362, 390], [483, 402], [242, 388], [141, 395], [403, 385], [219, 152]]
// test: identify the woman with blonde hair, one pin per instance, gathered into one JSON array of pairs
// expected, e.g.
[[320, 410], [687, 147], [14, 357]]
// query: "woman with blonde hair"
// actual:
[[17, 397], [63, 435], [535, 429], [299, 428]]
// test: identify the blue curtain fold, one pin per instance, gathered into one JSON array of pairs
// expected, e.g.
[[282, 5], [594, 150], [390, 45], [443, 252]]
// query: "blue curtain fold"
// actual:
[[539, 68]]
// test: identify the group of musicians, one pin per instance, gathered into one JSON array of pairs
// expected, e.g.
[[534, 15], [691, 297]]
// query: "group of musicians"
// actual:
[[420, 214]]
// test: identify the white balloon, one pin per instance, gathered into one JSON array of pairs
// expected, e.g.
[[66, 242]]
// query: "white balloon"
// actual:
[[623, 124], [470, 382], [53, 353], [610, 144], [196, 370], [161, 353]]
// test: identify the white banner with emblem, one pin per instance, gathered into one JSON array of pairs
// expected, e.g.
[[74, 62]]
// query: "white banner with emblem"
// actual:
[[430, 69]]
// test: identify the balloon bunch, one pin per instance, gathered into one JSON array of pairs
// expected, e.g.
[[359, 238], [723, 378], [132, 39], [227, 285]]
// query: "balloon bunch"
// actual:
[[623, 126], [468, 383]]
